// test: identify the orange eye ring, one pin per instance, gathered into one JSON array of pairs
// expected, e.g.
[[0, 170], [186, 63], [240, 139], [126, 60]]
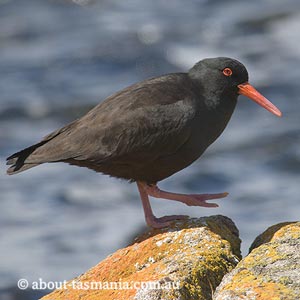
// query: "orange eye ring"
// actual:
[[227, 72]]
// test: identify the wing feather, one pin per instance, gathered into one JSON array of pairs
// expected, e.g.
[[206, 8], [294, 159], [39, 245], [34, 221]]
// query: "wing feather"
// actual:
[[146, 121]]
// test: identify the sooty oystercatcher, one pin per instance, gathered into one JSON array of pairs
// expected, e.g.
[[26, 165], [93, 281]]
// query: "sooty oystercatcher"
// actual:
[[151, 130]]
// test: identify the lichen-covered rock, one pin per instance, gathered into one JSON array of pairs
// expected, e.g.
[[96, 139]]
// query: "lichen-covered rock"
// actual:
[[270, 272], [184, 261]]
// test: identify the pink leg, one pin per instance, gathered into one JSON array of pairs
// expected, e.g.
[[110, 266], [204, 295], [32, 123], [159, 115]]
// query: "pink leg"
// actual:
[[188, 199], [151, 220], [191, 200]]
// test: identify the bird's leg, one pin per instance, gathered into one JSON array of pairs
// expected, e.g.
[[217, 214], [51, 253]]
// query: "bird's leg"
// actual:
[[151, 220], [188, 199]]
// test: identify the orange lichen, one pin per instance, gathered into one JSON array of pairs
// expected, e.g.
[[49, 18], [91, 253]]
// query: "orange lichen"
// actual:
[[190, 252], [246, 282]]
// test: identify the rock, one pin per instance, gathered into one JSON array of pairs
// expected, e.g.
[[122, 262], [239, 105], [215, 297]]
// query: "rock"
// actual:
[[270, 271], [184, 261]]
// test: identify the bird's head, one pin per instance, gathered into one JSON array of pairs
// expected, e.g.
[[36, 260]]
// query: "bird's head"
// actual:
[[229, 76]]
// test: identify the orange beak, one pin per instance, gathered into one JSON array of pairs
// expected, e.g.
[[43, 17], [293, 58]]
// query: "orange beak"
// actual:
[[249, 91]]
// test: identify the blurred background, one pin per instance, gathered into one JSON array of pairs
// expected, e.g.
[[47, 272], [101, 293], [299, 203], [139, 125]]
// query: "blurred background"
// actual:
[[59, 58]]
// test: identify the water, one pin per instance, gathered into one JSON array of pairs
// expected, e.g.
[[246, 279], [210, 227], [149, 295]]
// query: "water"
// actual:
[[58, 59]]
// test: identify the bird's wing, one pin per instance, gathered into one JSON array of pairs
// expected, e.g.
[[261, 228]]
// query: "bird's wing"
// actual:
[[144, 121], [143, 133]]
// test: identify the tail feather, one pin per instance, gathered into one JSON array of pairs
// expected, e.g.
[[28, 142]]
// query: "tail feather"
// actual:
[[17, 161], [15, 170], [23, 160]]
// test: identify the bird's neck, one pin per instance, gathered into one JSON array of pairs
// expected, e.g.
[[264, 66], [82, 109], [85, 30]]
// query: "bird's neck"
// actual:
[[216, 99]]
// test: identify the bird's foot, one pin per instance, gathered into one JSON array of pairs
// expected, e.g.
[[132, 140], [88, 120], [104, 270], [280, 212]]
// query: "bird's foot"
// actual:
[[200, 199], [147, 190], [188, 199], [165, 221]]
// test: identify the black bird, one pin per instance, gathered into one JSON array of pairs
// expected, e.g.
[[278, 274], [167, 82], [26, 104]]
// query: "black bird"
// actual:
[[151, 130]]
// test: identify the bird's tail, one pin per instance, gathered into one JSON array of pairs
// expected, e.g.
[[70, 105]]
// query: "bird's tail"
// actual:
[[48, 150], [17, 161]]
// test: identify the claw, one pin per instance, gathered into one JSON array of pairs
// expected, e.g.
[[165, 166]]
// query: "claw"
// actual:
[[200, 200]]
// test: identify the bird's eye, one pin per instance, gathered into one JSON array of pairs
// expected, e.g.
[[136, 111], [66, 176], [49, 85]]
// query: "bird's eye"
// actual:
[[227, 72]]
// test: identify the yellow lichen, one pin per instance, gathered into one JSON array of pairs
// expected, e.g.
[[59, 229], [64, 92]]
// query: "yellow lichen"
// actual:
[[248, 276], [291, 231], [202, 262]]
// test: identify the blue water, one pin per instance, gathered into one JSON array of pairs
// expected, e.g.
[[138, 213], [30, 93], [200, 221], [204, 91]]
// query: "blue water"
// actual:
[[58, 59]]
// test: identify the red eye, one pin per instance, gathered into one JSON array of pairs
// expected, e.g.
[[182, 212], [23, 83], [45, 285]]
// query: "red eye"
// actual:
[[227, 72]]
